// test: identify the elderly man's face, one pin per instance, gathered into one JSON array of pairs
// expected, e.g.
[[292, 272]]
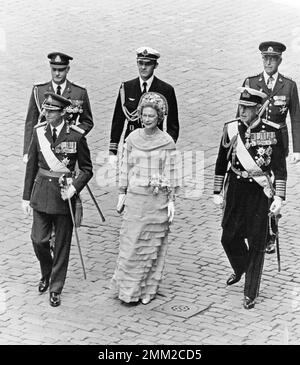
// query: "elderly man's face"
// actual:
[[271, 64], [146, 68], [54, 117], [248, 113], [59, 74]]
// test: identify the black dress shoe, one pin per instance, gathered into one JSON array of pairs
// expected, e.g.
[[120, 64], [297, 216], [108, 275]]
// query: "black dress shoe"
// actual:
[[43, 285], [54, 299], [248, 303], [233, 278]]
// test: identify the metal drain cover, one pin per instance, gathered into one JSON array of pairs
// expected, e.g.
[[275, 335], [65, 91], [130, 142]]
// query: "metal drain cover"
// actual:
[[181, 309]]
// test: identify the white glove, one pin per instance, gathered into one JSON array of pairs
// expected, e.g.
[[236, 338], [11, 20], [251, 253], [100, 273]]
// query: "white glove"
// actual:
[[112, 160], [26, 207], [25, 158], [276, 205], [67, 192], [171, 211], [295, 157], [218, 200], [121, 201]]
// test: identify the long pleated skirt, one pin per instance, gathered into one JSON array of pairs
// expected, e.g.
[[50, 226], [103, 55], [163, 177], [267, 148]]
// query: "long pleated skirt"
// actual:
[[143, 247]]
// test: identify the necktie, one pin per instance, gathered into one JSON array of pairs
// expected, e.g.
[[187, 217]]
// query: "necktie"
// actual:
[[270, 82], [54, 135], [58, 90], [144, 87]]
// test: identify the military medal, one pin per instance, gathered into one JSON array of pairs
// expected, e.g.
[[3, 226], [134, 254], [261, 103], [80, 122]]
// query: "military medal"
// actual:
[[65, 161]]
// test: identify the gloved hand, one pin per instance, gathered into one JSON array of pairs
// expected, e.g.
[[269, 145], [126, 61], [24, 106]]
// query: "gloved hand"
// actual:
[[171, 211], [218, 199], [276, 205], [25, 158], [26, 207], [112, 161], [121, 201], [67, 192], [295, 157]]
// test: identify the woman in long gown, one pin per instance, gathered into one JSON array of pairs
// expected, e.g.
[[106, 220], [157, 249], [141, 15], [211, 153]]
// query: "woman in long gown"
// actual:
[[149, 180]]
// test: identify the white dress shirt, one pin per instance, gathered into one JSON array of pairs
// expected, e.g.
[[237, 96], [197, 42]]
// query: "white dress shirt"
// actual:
[[266, 77], [62, 87], [148, 82], [58, 128]]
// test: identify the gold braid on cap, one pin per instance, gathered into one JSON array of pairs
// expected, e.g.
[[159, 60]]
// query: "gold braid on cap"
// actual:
[[155, 100]]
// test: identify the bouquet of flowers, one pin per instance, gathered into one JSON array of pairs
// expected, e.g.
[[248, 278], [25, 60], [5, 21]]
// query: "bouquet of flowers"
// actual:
[[159, 182]]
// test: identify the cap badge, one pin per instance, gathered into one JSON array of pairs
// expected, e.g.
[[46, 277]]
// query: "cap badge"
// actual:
[[270, 49], [49, 100], [145, 52], [57, 59]]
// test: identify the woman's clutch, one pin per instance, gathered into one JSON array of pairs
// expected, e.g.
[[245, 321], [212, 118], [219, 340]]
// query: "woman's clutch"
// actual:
[[121, 203]]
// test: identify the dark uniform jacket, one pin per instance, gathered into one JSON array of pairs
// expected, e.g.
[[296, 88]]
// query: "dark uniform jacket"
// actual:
[[266, 150], [283, 98], [133, 94], [44, 191], [72, 91]]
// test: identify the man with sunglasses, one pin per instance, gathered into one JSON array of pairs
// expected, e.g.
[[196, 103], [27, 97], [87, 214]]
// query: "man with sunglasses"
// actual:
[[282, 94], [79, 111], [129, 96]]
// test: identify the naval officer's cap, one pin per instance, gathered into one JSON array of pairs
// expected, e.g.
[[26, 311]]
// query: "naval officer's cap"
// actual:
[[271, 48], [147, 53], [59, 59], [55, 102], [250, 97]]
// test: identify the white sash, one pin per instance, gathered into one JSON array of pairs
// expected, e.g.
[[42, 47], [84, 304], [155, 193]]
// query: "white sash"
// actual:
[[245, 158], [52, 161]]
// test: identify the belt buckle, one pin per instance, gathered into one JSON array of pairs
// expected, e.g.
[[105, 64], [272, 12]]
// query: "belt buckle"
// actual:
[[244, 174]]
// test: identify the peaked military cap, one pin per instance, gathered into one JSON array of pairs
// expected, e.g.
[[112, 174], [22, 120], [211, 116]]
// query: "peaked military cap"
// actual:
[[59, 59], [55, 102], [250, 97], [272, 48], [147, 53]]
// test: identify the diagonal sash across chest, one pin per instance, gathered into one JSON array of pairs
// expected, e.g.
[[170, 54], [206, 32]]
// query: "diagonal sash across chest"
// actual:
[[52, 161], [245, 158]]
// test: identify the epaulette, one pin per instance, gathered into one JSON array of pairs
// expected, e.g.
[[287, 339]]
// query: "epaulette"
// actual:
[[287, 77], [251, 77], [81, 86], [77, 129], [40, 124], [233, 120], [40, 83], [272, 124]]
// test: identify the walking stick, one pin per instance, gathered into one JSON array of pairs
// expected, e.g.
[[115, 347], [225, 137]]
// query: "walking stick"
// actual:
[[276, 218], [63, 182], [95, 202]]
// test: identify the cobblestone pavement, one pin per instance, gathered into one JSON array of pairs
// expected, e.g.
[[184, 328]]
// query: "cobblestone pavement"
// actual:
[[207, 48]]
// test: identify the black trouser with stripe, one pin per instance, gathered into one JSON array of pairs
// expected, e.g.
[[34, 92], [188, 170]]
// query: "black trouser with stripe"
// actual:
[[52, 268], [245, 225]]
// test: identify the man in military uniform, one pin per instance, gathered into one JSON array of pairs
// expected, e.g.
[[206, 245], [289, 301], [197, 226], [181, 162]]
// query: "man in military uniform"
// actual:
[[282, 94], [56, 146], [80, 109], [129, 96], [253, 149]]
